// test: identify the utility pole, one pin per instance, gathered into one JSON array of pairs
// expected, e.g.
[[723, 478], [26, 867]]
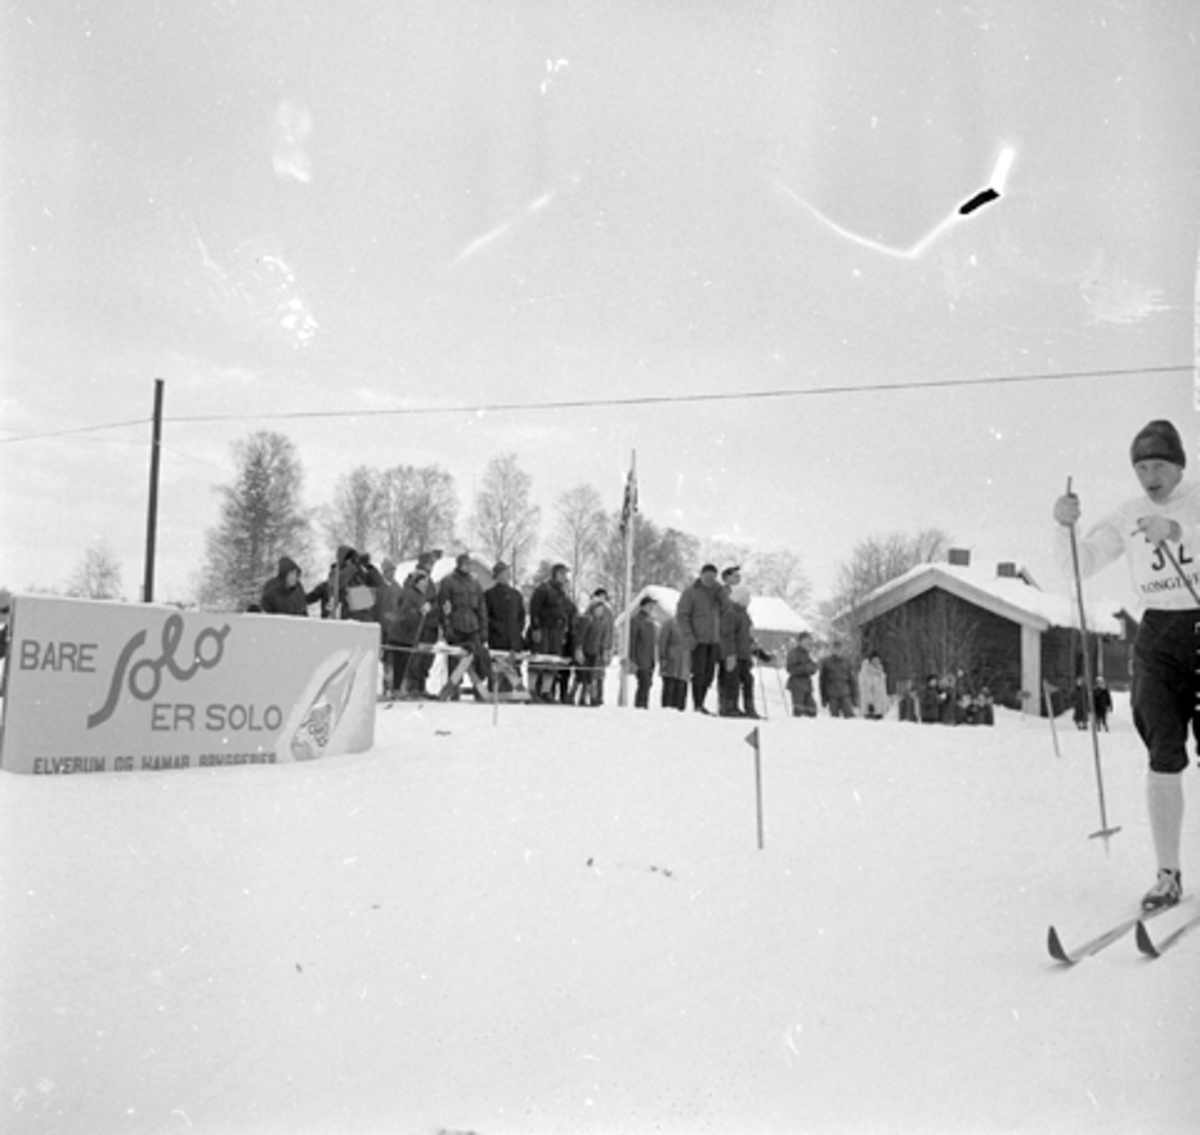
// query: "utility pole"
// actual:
[[152, 510]]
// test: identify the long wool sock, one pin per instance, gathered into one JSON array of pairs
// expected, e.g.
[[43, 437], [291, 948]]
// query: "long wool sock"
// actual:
[[1164, 796]]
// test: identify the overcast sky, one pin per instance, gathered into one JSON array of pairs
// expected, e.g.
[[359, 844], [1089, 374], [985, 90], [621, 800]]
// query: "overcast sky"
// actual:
[[299, 208]]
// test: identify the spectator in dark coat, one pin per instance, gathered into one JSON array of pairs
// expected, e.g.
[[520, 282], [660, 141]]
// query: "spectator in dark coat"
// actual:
[[736, 681], [283, 593], [350, 584], [643, 650], [464, 618], [595, 641], [932, 699], [1079, 704], [387, 598], [418, 624], [838, 685], [698, 617], [801, 668], [505, 618], [1102, 702], [552, 617]]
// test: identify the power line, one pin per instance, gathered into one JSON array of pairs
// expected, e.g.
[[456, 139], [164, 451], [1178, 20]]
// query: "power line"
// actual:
[[643, 400], [665, 399]]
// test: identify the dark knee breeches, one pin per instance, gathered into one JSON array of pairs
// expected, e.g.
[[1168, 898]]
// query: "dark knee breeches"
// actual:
[[1165, 686]]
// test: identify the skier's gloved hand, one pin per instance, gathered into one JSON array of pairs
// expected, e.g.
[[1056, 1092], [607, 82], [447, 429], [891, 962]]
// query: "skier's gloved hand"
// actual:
[[1159, 529], [1066, 509], [731, 663]]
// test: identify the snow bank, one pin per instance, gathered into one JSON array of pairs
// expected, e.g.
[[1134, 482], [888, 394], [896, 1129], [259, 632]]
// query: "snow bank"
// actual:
[[560, 921]]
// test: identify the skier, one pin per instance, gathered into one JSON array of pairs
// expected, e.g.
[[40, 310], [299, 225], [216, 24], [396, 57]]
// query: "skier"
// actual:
[[1156, 532]]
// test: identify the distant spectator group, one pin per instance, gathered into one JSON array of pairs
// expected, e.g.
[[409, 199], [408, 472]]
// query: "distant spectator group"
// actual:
[[494, 636]]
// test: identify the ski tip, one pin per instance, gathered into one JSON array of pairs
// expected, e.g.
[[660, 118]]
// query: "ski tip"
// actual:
[[1144, 942], [1055, 946]]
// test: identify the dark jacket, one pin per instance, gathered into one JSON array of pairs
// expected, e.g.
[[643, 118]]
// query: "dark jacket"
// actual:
[[505, 616], [736, 628], [388, 598], [837, 680], [698, 614], [596, 630], [419, 617], [643, 642], [800, 668], [551, 619], [280, 599], [464, 616]]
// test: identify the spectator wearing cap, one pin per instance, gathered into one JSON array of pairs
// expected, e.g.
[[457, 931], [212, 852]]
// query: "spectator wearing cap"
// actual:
[[643, 650], [418, 625], [595, 640], [464, 618], [552, 617], [505, 618], [736, 681], [698, 617], [388, 598], [801, 668]]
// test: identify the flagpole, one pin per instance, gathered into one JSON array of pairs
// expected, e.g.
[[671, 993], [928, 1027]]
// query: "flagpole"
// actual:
[[629, 516]]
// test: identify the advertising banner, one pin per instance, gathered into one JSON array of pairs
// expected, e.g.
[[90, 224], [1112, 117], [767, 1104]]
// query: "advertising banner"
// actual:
[[117, 687]]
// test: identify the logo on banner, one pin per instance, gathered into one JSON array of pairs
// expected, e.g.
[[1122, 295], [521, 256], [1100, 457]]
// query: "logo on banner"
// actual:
[[144, 678]]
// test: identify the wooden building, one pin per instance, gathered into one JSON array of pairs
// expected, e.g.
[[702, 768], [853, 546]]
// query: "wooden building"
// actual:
[[990, 625]]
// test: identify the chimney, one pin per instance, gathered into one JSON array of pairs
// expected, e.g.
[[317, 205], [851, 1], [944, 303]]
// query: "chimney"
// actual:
[[1006, 571], [959, 557]]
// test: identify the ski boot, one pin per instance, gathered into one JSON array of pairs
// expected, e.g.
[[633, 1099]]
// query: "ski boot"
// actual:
[[1167, 890]]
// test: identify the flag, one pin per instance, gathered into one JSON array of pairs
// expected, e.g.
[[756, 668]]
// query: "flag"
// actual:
[[752, 737], [629, 506]]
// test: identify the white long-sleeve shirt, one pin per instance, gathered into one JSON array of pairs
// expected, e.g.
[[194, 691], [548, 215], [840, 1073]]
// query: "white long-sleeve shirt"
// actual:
[[1154, 578]]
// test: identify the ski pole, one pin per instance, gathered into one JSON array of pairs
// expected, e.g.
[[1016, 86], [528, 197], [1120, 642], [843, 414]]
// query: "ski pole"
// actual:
[[1105, 831]]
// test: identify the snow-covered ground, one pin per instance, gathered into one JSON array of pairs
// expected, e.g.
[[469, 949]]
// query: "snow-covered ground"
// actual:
[[559, 920]]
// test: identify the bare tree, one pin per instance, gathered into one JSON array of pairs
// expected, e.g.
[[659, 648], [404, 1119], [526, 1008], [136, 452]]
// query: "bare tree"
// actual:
[[354, 515], [505, 522], [580, 532], [780, 574], [98, 574], [262, 518], [875, 561], [666, 557], [418, 510]]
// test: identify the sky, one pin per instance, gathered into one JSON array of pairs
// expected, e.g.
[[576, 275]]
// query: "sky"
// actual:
[[409, 233]]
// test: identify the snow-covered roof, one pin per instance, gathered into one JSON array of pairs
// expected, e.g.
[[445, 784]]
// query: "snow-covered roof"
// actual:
[[1011, 597], [480, 568], [767, 612]]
